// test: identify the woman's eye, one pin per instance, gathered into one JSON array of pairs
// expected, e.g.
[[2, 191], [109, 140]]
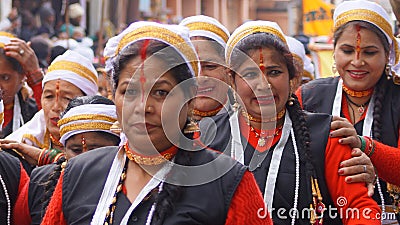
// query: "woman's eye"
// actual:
[[5, 77], [250, 75], [274, 72], [131, 92], [370, 52], [161, 93], [347, 51], [209, 66]]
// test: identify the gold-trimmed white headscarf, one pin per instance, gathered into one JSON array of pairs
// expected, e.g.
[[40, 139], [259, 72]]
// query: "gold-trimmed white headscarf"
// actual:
[[370, 12], [248, 28], [74, 68], [205, 26], [87, 118], [5, 38], [298, 52], [175, 36]]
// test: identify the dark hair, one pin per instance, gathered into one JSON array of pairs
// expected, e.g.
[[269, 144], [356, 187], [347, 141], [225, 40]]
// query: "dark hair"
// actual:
[[258, 40], [381, 85], [297, 115], [15, 65], [51, 183], [171, 57]]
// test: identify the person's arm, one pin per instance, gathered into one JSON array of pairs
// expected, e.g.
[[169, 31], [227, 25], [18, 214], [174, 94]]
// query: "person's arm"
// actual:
[[247, 205], [21, 214], [349, 198], [54, 213], [386, 161]]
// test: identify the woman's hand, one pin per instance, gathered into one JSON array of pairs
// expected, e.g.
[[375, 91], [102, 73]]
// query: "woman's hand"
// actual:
[[23, 53], [341, 127], [359, 169], [30, 153]]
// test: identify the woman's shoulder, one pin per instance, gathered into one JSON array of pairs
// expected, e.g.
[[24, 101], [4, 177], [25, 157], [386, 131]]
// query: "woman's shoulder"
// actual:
[[42, 173]]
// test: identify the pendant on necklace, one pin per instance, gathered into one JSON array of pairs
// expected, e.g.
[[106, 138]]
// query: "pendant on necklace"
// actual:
[[261, 142], [361, 110]]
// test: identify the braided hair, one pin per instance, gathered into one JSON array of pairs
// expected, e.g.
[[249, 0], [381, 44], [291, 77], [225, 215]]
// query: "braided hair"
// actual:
[[297, 115], [170, 193], [52, 180], [382, 83]]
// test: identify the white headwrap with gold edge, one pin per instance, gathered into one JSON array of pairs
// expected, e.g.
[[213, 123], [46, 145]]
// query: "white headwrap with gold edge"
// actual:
[[205, 26], [248, 28], [87, 118], [74, 68]]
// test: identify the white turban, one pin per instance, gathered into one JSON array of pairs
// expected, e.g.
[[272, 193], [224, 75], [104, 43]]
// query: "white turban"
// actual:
[[74, 68], [87, 118], [205, 26], [248, 28], [298, 51]]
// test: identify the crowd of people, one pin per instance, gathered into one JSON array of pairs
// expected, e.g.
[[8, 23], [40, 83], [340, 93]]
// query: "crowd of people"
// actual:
[[194, 124]]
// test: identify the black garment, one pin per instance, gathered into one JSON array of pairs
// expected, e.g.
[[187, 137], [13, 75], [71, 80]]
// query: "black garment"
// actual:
[[86, 174], [36, 191], [319, 125], [318, 96], [28, 110], [10, 171]]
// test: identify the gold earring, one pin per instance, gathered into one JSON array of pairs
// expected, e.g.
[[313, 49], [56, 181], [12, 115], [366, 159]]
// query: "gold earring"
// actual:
[[334, 69], [191, 127], [388, 73], [291, 100]]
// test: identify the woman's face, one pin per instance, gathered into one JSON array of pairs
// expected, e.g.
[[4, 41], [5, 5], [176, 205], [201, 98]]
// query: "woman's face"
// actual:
[[55, 98], [213, 80], [80, 143], [151, 111], [10, 81], [262, 95], [360, 58]]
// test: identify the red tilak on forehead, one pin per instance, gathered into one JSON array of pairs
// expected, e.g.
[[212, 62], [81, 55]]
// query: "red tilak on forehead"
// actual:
[[84, 145], [261, 65], [57, 90], [143, 57], [358, 46]]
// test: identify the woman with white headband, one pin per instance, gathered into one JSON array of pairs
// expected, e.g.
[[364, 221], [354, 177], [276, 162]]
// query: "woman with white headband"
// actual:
[[17, 63], [69, 75], [158, 175], [84, 126], [209, 37], [294, 161], [13, 179], [366, 93]]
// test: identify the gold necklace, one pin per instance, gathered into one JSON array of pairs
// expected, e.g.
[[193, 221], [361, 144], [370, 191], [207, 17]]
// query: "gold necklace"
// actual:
[[358, 94], [252, 118], [213, 112], [261, 136]]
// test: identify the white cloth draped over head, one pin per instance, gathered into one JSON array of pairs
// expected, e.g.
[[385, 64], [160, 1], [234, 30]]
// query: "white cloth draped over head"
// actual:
[[74, 68], [5, 38], [370, 12], [298, 51], [248, 28], [174, 35], [205, 26], [87, 118], [71, 67]]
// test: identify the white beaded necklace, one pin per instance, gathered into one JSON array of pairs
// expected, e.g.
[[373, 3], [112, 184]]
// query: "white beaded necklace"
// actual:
[[7, 199], [296, 189]]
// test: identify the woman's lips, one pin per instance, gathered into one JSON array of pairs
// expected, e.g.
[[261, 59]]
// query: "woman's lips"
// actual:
[[357, 74], [54, 120], [204, 91], [264, 100]]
